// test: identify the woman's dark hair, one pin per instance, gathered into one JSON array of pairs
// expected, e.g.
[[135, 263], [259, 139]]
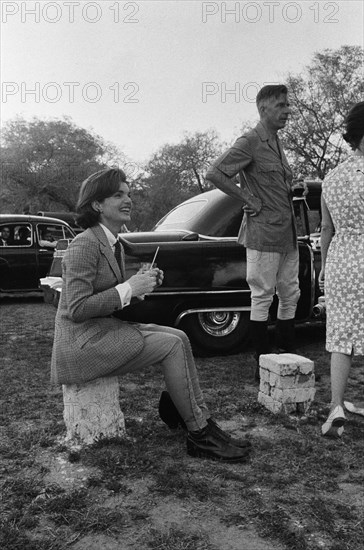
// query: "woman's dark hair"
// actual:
[[354, 124], [97, 187]]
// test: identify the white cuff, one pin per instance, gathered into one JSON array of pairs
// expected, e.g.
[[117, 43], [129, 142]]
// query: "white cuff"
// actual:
[[124, 291]]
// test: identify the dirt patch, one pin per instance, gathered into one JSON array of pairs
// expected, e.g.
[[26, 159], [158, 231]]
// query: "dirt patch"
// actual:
[[298, 491]]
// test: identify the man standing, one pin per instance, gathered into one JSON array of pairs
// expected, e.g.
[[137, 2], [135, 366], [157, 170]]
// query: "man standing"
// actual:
[[268, 230]]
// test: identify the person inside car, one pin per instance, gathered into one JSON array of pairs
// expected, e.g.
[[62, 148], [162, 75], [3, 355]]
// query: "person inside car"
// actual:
[[23, 236], [47, 239], [5, 236]]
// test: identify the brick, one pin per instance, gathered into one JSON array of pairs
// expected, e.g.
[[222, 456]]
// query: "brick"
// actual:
[[306, 380], [293, 395], [265, 387], [286, 364], [287, 382], [276, 406], [282, 381], [294, 381], [269, 403], [289, 408], [264, 374]]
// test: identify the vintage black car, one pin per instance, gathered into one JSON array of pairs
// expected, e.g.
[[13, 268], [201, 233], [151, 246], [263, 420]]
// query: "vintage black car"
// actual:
[[68, 217], [204, 290], [26, 253]]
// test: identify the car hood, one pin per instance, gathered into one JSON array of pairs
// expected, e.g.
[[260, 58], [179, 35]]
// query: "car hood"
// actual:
[[159, 236]]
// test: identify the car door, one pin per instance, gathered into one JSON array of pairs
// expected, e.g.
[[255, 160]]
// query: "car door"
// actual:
[[18, 260], [47, 235]]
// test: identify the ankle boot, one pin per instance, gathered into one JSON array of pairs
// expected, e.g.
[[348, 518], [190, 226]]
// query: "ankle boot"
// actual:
[[206, 443], [227, 437], [285, 336], [259, 336], [169, 413]]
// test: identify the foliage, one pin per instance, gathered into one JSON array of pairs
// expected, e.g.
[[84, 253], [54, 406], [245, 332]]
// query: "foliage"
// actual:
[[176, 172], [321, 96], [140, 209], [44, 162]]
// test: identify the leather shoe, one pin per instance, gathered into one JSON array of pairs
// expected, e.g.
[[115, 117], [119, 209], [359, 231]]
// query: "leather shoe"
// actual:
[[170, 416], [169, 413], [215, 428], [334, 425], [207, 444], [353, 408]]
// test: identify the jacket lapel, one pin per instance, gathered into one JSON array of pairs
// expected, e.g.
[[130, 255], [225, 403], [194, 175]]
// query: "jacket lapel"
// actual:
[[262, 133], [108, 253]]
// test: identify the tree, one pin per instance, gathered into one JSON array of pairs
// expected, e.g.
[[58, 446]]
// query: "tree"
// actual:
[[176, 173], [44, 162], [321, 97]]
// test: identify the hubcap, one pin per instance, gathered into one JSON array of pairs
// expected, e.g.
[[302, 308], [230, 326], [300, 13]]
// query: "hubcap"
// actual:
[[219, 323]]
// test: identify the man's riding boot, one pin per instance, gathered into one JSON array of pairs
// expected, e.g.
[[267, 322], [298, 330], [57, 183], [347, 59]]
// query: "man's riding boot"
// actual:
[[259, 336], [285, 336]]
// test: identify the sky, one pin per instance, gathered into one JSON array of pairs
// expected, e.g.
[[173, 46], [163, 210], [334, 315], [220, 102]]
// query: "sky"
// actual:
[[142, 74]]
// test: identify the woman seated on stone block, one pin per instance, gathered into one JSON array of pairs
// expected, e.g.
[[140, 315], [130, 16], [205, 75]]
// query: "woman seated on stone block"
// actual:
[[90, 342]]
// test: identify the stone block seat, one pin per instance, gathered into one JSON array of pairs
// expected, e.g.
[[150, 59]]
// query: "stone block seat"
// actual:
[[92, 411]]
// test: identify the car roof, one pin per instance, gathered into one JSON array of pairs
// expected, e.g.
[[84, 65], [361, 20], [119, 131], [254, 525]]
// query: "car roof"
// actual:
[[68, 217], [215, 209], [13, 218]]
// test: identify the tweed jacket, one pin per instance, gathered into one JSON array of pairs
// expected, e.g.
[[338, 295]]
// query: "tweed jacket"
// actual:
[[89, 342], [269, 177]]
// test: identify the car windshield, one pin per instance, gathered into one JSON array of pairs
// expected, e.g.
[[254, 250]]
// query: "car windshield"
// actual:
[[182, 213]]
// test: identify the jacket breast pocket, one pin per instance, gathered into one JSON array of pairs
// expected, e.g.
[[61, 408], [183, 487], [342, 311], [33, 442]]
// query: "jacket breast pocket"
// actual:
[[86, 336], [270, 173], [269, 167]]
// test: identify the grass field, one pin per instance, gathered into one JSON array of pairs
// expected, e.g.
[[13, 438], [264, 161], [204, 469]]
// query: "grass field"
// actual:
[[299, 491]]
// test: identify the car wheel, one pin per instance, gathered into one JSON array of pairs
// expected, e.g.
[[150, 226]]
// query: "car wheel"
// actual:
[[217, 332]]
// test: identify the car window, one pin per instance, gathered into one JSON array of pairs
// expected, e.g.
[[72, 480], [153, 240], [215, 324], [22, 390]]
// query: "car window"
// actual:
[[23, 235], [67, 234], [183, 213], [16, 234], [49, 234]]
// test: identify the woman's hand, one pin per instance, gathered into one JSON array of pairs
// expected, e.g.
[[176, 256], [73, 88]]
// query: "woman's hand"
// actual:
[[321, 280], [143, 283], [159, 275]]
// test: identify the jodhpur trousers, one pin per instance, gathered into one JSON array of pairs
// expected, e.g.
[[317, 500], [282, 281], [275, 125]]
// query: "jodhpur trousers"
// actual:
[[270, 273]]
